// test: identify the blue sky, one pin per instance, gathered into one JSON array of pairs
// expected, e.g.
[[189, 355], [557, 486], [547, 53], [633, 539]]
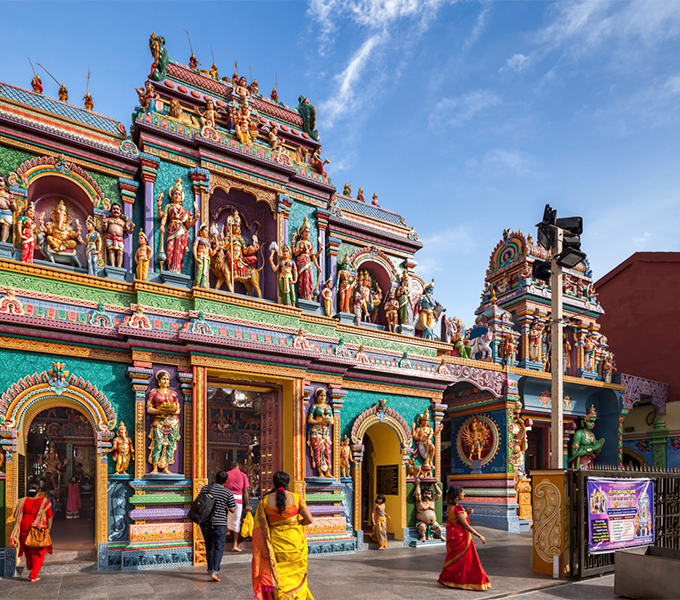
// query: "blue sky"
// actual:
[[465, 117]]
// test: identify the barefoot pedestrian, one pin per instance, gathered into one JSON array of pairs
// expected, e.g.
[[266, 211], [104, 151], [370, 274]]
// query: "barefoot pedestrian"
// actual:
[[379, 518]]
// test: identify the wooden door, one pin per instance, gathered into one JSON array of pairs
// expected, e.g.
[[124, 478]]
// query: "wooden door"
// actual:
[[270, 418]]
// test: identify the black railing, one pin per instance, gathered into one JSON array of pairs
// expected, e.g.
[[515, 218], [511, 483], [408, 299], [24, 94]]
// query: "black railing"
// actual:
[[666, 515]]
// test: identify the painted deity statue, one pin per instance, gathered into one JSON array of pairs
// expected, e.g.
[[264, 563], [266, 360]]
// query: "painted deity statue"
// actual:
[[345, 282], [159, 67], [202, 255], [519, 440], [163, 406], [208, 115], [238, 260], [427, 317], [423, 433], [305, 258], [327, 298], [535, 338], [584, 446], [147, 97], [143, 256], [509, 349], [475, 435], [287, 273], [588, 353], [426, 514], [318, 163], [177, 112], [36, 84], [404, 299], [177, 221], [27, 231], [319, 439], [115, 226], [61, 238], [54, 466], [7, 209], [346, 458], [347, 190], [123, 450], [63, 93], [93, 246], [392, 311]]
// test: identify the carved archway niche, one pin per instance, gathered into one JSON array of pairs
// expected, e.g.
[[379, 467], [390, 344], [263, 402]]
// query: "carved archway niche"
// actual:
[[376, 262]]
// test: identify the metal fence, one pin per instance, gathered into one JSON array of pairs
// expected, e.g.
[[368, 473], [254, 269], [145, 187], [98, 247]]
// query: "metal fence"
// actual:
[[666, 515]]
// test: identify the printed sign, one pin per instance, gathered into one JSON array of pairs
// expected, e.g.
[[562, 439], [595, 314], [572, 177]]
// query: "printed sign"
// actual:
[[388, 480], [620, 513]]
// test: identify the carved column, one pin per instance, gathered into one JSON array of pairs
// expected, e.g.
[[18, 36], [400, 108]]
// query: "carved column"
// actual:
[[140, 374], [358, 456], [438, 411], [659, 439], [200, 178], [284, 209], [300, 394], [622, 418], [579, 341], [198, 459], [409, 265], [149, 172], [524, 322], [128, 191], [332, 245], [322, 225], [186, 387], [337, 400]]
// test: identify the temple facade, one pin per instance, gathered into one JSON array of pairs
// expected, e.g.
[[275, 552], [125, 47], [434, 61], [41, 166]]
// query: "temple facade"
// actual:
[[194, 290]]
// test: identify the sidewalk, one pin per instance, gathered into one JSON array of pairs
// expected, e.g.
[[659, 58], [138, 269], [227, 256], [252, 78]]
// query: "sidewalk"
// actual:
[[398, 573]]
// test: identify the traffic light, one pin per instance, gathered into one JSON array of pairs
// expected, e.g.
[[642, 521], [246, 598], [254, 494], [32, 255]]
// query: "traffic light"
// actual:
[[540, 269]]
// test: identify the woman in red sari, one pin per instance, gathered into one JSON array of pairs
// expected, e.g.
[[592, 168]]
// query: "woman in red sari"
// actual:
[[462, 568], [37, 511]]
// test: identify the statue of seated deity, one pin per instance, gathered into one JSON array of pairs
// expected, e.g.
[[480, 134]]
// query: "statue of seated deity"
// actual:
[[57, 238]]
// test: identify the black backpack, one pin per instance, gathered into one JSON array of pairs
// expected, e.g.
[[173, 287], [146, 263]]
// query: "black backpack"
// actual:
[[202, 507]]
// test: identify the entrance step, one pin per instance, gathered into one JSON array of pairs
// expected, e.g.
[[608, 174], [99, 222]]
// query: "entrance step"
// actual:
[[56, 567]]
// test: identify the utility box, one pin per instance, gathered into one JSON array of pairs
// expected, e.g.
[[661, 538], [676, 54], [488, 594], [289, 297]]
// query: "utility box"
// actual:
[[652, 575]]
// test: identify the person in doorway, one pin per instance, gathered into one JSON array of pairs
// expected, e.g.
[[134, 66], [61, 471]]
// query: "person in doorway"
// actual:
[[462, 567], [215, 529], [36, 512], [280, 544], [238, 484], [73, 499], [379, 518]]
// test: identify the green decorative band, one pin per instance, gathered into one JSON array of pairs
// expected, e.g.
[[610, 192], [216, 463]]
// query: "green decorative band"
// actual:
[[328, 498], [145, 499], [147, 546]]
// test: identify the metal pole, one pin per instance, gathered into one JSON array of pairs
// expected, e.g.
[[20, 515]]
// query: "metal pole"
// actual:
[[556, 358]]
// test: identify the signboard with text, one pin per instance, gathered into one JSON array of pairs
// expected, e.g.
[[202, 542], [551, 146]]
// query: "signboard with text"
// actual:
[[620, 513], [388, 480]]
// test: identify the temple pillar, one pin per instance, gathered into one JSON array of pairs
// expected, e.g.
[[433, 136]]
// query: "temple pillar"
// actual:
[[284, 210], [438, 411], [300, 403], [358, 456], [337, 400], [622, 418], [659, 439], [128, 192], [524, 322], [149, 172], [185, 379], [198, 457], [200, 179], [140, 374], [332, 245], [322, 226]]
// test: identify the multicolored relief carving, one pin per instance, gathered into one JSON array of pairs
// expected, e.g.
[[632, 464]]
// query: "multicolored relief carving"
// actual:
[[319, 438], [114, 227], [584, 446], [123, 450], [163, 406], [477, 439], [426, 514], [286, 271], [177, 221], [423, 434], [305, 259], [57, 238]]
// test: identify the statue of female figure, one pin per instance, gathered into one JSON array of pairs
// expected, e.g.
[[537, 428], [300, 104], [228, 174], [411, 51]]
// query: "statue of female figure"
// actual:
[[178, 221], [319, 439], [404, 299], [163, 406], [27, 232], [305, 258], [584, 446], [287, 274], [345, 281]]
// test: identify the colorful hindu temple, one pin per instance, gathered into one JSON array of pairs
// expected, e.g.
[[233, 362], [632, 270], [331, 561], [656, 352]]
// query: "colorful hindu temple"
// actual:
[[195, 290]]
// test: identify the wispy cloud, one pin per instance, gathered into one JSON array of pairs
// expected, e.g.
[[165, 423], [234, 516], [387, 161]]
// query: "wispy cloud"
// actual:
[[449, 242], [460, 110], [516, 161], [517, 63], [478, 29]]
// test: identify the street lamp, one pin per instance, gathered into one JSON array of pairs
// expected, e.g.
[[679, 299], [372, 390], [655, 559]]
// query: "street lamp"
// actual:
[[562, 238]]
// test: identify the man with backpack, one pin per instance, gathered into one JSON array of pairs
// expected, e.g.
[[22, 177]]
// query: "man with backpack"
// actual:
[[209, 511]]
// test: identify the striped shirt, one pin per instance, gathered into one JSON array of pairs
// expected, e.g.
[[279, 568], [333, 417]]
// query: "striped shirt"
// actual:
[[224, 500]]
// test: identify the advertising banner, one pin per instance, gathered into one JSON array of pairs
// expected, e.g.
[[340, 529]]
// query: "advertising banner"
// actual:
[[620, 513]]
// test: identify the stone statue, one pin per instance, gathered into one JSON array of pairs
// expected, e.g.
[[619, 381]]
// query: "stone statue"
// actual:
[[177, 112], [287, 273], [114, 227], [319, 439], [123, 450], [159, 67], [584, 446], [305, 258], [177, 220], [403, 296], [246, 130], [27, 230], [345, 458], [54, 466], [318, 163], [509, 349], [8, 207], [327, 297], [475, 436], [358, 305], [608, 367], [519, 440], [535, 337], [274, 141], [208, 115], [374, 200], [147, 97], [426, 515], [428, 310], [308, 114], [392, 311], [347, 190], [588, 353], [163, 406], [202, 255], [143, 256], [93, 247], [345, 281], [274, 95], [59, 239], [422, 437]]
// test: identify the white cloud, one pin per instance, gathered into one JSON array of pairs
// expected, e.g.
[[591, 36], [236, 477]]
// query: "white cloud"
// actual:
[[518, 162], [517, 63], [457, 111], [478, 29], [449, 242]]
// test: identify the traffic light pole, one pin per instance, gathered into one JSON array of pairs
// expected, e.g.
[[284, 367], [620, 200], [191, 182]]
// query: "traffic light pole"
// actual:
[[556, 357]]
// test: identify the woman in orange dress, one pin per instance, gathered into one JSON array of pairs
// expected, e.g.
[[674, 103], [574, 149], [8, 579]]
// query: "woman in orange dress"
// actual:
[[32, 510], [280, 544], [462, 568]]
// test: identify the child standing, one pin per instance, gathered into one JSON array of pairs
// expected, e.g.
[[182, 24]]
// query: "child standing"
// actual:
[[379, 518]]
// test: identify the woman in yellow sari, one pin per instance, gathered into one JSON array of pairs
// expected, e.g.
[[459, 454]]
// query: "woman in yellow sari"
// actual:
[[280, 544]]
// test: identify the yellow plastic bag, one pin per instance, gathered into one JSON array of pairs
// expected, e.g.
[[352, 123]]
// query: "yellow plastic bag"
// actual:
[[247, 525]]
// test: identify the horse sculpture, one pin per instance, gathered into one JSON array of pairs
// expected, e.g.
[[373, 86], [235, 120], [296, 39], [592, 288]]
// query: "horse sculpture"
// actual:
[[423, 323], [220, 267]]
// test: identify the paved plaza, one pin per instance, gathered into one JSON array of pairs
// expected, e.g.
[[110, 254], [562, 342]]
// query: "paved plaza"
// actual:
[[398, 573]]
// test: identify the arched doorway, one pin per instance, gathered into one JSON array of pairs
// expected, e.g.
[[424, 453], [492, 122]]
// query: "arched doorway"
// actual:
[[61, 455], [382, 472]]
